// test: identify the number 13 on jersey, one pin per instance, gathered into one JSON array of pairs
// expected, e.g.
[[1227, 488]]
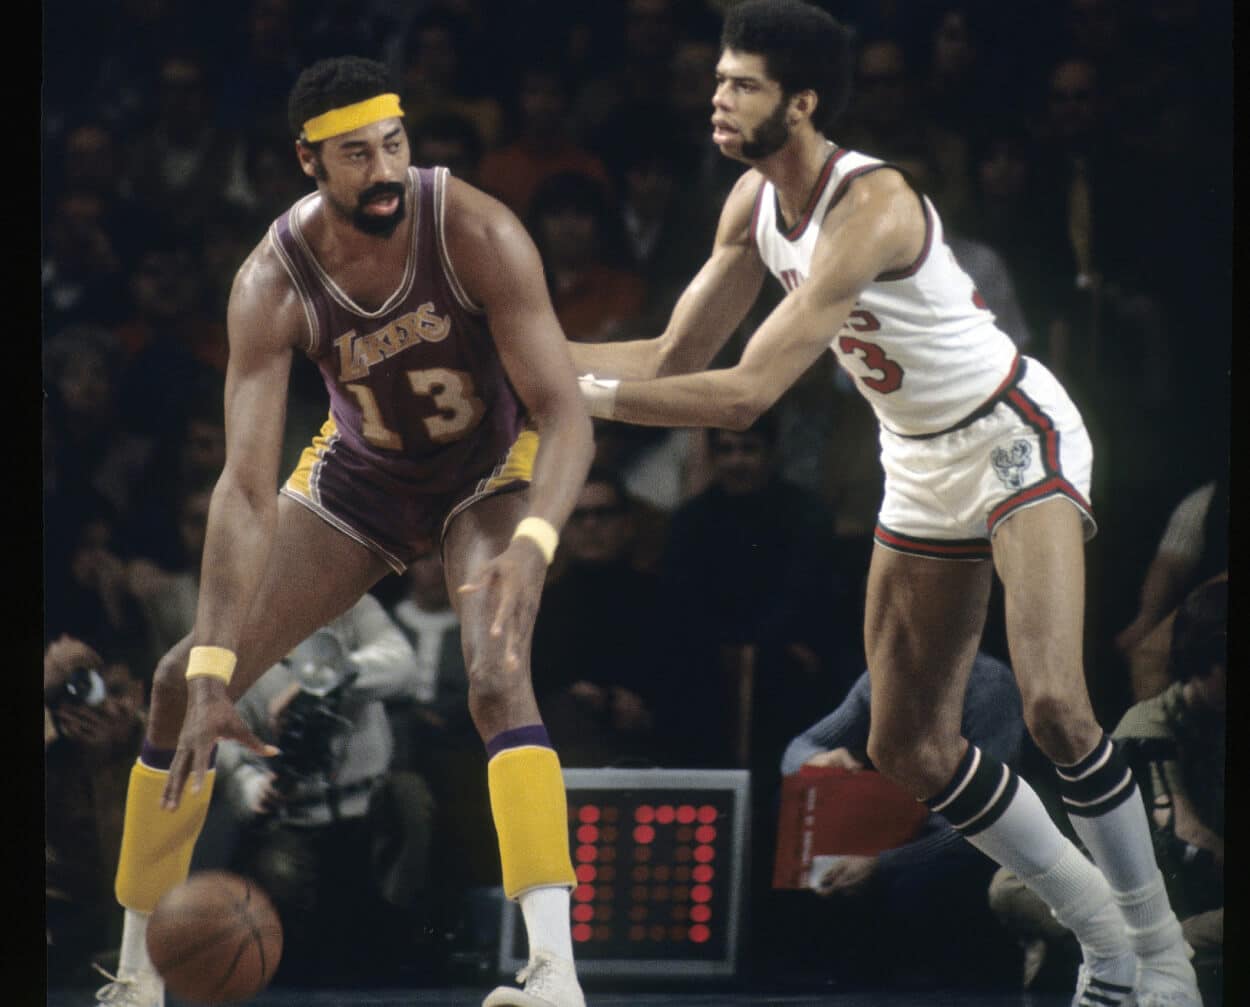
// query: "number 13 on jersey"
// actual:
[[459, 408]]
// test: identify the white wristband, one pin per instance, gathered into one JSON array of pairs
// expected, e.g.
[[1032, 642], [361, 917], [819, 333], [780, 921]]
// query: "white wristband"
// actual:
[[541, 533], [599, 395]]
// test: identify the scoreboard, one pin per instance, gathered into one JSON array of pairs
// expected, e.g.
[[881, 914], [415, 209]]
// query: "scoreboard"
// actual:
[[659, 856]]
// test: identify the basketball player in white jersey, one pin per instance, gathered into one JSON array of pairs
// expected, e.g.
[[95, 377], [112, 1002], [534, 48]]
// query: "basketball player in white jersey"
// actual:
[[987, 466]]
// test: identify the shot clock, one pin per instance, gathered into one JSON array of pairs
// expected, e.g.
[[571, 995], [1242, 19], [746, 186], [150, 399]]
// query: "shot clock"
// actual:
[[659, 856]]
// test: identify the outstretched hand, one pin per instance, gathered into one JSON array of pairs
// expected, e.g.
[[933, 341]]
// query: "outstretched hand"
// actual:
[[210, 717], [516, 577]]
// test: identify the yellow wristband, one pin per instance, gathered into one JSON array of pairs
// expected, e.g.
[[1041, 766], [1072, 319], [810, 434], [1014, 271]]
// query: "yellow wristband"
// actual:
[[541, 533], [213, 662]]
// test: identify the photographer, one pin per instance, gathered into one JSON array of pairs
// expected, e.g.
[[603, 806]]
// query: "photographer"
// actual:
[[338, 839], [93, 718]]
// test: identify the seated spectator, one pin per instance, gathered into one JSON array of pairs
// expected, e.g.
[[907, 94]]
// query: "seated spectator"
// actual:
[[599, 657], [543, 147], [1175, 744], [81, 273], [749, 564], [93, 716], [593, 289], [892, 923], [337, 837], [1193, 548]]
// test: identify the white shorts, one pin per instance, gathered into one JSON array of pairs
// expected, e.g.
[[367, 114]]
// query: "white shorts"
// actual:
[[946, 493]]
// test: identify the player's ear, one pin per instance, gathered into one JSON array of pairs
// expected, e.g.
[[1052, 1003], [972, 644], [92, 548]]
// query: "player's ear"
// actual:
[[802, 106], [308, 156]]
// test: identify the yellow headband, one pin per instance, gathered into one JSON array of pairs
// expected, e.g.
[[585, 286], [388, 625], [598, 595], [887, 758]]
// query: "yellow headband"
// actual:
[[349, 117]]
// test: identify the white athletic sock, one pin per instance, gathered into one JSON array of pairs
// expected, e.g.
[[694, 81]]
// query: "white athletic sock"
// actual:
[[1106, 810], [134, 952], [546, 912]]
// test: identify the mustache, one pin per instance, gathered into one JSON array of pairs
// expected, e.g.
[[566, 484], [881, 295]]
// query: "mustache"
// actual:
[[380, 190]]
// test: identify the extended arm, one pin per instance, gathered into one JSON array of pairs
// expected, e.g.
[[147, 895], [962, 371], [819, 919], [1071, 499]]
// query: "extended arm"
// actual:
[[878, 226], [706, 314], [264, 321]]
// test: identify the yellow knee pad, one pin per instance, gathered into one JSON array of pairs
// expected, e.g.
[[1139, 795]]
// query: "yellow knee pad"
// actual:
[[532, 819], [157, 844]]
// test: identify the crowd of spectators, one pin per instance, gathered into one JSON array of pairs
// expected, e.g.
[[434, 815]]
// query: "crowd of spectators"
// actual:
[[706, 596]]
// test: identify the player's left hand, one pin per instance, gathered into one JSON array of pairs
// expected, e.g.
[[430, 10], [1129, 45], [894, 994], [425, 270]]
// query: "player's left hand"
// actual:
[[848, 874], [515, 577]]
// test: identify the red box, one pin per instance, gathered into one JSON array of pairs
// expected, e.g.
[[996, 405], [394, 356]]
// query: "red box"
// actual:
[[828, 811]]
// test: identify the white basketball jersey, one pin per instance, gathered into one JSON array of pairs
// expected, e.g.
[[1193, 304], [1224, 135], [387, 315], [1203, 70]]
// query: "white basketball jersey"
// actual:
[[920, 343]]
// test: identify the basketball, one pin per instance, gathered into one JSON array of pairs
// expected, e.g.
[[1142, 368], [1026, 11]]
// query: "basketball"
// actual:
[[215, 939]]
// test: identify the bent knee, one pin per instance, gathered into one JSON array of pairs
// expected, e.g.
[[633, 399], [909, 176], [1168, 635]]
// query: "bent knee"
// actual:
[[921, 766], [1063, 727]]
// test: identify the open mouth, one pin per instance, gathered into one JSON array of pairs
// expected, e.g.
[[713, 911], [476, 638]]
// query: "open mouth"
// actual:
[[382, 206], [722, 131]]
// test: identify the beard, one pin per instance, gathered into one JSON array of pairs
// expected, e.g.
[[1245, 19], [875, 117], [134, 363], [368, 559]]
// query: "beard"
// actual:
[[770, 135], [372, 223]]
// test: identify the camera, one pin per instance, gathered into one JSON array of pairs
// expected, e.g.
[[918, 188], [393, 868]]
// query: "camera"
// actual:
[[311, 721], [82, 687]]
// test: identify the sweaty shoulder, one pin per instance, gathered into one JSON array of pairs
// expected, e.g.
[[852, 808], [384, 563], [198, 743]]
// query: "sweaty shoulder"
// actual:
[[482, 236], [264, 306]]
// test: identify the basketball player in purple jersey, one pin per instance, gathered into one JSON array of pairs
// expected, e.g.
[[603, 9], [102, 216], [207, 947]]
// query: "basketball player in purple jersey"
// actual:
[[987, 466], [455, 422]]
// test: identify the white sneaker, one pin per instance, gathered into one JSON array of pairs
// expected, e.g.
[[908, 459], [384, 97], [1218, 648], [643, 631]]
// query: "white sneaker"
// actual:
[[136, 989], [1094, 992], [1172, 983], [549, 982]]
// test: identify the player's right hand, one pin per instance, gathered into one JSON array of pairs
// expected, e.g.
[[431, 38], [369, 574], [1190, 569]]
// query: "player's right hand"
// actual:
[[839, 758], [210, 717]]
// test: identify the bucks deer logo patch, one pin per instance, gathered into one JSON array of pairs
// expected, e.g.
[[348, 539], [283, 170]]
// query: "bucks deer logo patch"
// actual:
[[1010, 466]]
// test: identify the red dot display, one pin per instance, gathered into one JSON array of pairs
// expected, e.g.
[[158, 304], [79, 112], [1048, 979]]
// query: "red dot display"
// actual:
[[583, 912], [706, 814], [703, 854], [703, 834], [701, 913], [585, 872], [587, 853], [644, 834], [700, 933], [686, 814], [587, 834], [703, 873], [584, 893], [588, 814], [582, 932], [665, 814], [644, 814], [701, 893]]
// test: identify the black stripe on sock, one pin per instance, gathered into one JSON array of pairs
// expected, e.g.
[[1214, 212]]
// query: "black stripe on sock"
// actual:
[[1102, 790], [985, 796]]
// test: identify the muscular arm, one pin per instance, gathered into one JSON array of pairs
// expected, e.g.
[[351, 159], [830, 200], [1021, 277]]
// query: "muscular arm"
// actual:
[[878, 226], [706, 314], [501, 270], [264, 322]]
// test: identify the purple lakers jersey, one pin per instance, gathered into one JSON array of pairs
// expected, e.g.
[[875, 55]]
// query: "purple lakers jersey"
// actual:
[[418, 394]]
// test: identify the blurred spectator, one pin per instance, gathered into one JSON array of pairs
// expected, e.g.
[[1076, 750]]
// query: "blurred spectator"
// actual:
[[94, 715], [885, 115], [599, 656], [90, 449], [891, 924], [544, 144], [1193, 548], [636, 74], [703, 172], [180, 161], [80, 274], [170, 340], [261, 66], [437, 78], [169, 597], [337, 838], [451, 140], [956, 93], [593, 290], [749, 564]]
